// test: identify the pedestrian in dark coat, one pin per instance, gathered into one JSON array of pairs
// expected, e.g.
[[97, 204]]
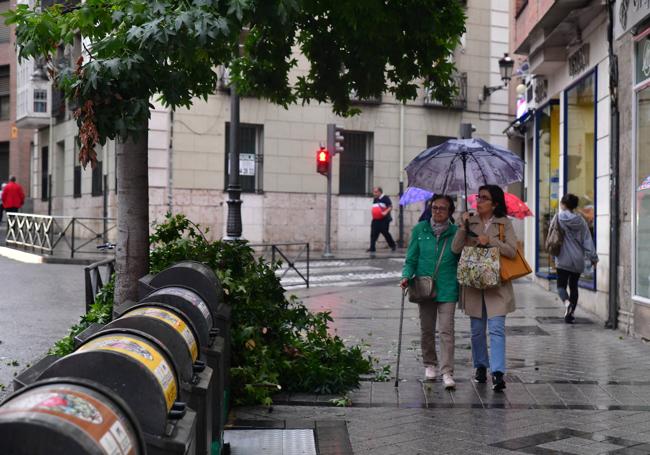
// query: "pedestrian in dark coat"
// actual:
[[381, 208]]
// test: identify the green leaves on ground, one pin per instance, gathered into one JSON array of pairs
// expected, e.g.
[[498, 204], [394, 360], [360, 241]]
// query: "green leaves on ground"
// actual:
[[276, 341]]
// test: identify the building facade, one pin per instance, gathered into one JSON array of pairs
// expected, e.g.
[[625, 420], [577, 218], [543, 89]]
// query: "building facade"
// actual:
[[573, 140], [15, 143], [283, 196], [631, 27]]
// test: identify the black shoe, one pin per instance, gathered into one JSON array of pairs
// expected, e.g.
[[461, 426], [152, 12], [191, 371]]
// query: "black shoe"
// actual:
[[370, 250], [569, 319], [481, 375], [498, 383], [393, 248]]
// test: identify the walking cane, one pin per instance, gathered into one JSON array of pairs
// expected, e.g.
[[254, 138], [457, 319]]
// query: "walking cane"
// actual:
[[399, 340]]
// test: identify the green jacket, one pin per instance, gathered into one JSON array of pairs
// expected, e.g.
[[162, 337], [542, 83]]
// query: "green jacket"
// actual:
[[422, 255]]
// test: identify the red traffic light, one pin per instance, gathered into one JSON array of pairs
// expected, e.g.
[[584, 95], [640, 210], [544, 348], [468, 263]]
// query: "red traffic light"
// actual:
[[323, 161]]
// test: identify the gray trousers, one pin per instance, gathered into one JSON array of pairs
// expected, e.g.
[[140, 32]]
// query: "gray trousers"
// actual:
[[444, 312]]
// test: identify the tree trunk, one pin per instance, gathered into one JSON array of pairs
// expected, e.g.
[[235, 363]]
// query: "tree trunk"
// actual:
[[132, 256]]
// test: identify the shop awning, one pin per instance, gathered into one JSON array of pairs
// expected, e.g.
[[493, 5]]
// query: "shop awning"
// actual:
[[518, 126]]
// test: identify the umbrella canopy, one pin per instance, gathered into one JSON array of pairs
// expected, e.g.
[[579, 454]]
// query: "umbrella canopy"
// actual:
[[413, 195], [514, 206], [459, 165]]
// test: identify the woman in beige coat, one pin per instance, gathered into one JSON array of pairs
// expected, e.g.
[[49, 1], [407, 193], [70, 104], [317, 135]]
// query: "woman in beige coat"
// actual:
[[488, 227]]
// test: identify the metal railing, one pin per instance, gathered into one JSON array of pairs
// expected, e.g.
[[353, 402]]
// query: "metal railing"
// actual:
[[46, 233], [94, 280], [290, 259], [459, 101]]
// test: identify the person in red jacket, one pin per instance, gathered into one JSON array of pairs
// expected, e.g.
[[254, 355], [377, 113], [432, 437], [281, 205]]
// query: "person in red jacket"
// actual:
[[13, 196]]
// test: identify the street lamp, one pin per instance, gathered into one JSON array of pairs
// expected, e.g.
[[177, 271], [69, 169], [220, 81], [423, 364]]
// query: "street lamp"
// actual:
[[506, 64]]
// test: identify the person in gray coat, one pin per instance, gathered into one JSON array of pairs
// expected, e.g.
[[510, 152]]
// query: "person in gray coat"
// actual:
[[577, 246]]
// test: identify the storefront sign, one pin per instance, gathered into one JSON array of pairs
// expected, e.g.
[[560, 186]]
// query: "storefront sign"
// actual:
[[579, 60], [629, 14]]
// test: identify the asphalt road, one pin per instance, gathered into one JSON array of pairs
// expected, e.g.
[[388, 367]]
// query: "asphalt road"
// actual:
[[38, 303]]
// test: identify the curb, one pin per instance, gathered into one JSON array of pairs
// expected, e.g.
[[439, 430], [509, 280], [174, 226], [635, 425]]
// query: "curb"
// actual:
[[32, 258]]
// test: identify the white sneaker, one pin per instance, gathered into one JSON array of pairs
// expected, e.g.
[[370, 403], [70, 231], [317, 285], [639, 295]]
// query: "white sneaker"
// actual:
[[430, 372], [567, 306], [448, 381]]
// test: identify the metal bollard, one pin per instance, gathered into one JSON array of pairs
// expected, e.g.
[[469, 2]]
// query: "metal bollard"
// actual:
[[68, 416]]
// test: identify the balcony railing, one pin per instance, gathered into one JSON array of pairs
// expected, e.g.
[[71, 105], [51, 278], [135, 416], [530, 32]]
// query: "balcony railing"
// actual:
[[459, 101], [355, 99]]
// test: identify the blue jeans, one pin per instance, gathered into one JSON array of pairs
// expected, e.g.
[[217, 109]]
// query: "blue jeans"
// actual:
[[497, 328]]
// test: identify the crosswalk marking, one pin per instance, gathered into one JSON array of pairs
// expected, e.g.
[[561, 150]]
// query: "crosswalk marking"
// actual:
[[336, 273]]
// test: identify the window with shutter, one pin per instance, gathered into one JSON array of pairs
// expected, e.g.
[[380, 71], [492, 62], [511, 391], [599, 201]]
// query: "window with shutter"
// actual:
[[5, 30], [4, 92], [356, 165]]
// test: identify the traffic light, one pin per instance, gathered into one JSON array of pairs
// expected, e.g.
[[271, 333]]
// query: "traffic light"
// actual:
[[334, 138], [323, 161]]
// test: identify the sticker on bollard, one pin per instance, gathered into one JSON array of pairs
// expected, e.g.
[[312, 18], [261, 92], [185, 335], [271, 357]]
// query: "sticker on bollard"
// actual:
[[143, 352], [68, 416], [188, 295], [171, 319]]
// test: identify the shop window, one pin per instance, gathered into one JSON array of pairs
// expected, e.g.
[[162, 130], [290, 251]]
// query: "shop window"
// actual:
[[356, 166], [642, 199], [250, 157], [580, 164], [548, 181]]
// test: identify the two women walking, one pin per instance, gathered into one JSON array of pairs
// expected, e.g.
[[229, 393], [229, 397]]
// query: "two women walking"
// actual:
[[486, 308]]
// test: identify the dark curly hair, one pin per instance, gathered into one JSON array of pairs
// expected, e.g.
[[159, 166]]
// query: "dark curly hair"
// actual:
[[498, 199]]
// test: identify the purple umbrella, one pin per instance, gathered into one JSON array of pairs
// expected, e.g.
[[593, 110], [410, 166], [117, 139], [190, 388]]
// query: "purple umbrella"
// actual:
[[413, 195], [459, 165]]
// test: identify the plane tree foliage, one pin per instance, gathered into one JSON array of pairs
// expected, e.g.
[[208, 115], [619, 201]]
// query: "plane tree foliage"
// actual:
[[136, 50]]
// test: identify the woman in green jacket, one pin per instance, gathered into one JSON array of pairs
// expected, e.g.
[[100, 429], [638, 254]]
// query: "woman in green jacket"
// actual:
[[431, 240]]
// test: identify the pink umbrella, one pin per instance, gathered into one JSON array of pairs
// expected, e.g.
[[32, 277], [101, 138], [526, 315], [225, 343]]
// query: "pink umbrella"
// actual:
[[515, 206]]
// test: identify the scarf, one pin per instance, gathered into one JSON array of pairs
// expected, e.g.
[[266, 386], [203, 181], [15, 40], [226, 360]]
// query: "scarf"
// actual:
[[439, 228]]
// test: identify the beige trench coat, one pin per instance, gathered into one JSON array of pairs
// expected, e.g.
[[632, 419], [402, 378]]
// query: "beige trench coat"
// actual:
[[498, 301]]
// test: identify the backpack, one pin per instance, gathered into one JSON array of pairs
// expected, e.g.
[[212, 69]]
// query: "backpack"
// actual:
[[554, 238]]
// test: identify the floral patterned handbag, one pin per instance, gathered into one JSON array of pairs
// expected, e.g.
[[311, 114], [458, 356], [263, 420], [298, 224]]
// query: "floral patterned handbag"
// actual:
[[479, 267]]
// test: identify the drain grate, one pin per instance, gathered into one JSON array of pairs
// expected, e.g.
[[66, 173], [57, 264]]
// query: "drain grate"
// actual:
[[271, 442]]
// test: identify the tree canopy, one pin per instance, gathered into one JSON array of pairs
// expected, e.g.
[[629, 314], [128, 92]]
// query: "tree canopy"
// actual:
[[134, 50]]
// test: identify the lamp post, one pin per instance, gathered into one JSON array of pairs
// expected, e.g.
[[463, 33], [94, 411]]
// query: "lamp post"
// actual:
[[234, 223], [506, 64]]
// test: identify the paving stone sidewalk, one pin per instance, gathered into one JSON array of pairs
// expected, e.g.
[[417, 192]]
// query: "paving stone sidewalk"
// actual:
[[571, 389]]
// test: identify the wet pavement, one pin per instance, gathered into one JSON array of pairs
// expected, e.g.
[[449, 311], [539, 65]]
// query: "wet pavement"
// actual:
[[571, 389], [38, 304]]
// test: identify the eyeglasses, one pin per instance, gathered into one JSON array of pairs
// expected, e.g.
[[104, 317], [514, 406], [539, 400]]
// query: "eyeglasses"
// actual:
[[437, 208], [483, 198]]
